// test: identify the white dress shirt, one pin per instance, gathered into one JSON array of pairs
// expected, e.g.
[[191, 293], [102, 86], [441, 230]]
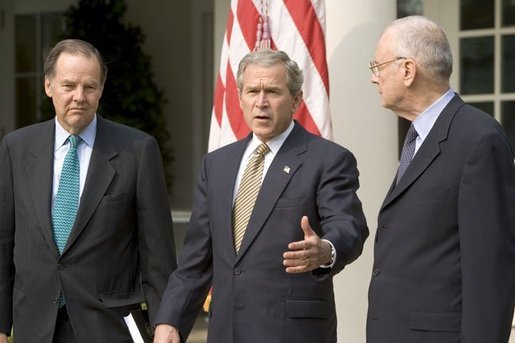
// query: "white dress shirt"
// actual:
[[425, 121]]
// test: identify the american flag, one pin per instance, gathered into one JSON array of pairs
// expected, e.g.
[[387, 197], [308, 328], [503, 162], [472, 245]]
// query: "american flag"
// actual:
[[295, 26]]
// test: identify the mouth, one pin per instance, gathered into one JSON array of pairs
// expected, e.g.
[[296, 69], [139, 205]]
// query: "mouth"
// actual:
[[77, 109], [261, 117]]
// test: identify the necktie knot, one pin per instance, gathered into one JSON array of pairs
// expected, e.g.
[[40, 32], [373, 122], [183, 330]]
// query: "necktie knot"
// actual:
[[74, 141], [411, 135], [262, 149]]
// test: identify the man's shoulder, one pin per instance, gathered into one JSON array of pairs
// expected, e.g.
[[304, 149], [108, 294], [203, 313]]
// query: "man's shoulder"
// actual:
[[30, 131], [119, 130], [229, 148], [328, 147], [474, 122]]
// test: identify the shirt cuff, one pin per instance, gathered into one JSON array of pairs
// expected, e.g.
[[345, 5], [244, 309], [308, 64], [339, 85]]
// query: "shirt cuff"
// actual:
[[333, 256]]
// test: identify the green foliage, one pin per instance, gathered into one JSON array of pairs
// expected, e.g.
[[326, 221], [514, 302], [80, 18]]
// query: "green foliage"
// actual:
[[130, 96]]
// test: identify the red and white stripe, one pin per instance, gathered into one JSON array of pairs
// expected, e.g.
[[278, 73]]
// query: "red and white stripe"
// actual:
[[296, 27]]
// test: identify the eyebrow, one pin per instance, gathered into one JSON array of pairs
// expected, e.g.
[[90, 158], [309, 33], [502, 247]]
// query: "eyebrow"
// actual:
[[265, 88]]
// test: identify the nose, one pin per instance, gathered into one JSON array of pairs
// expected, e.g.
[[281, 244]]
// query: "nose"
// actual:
[[261, 99], [374, 79], [78, 95]]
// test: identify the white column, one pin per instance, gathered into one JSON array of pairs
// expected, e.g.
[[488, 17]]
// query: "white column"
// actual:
[[364, 127]]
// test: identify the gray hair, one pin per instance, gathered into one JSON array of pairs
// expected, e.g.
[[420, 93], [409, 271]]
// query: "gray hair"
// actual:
[[424, 41], [74, 47], [268, 58]]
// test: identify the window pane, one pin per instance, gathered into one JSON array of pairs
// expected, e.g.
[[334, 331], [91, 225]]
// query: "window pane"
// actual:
[[477, 65], [409, 7], [508, 64], [26, 102], [508, 13], [486, 106], [508, 120], [25, 31], [477, 14], [51, 30]]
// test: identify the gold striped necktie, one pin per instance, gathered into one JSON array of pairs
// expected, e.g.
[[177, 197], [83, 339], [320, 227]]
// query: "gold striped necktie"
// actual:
[[247, 194]]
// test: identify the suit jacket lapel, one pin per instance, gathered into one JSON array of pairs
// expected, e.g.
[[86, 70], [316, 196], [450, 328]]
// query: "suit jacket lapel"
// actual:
[[427, 152], [100, 175], [40, 173], [276, 179]]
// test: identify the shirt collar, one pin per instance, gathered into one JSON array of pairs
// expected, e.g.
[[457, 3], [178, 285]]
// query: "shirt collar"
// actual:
[[274, 144], [87, 135], [425, 121]]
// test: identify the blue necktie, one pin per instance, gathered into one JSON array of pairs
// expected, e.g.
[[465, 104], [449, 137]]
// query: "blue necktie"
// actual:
[[408, 150], [67, 198]]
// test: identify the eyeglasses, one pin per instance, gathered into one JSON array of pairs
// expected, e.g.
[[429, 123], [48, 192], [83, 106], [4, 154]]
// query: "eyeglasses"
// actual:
[[374, 66]]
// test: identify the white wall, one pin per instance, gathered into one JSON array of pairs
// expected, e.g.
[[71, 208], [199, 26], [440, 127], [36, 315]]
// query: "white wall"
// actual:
[[368, 130]]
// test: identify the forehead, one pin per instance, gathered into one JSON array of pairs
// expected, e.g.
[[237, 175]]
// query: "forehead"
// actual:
[[77, 64], [385, 43], [255, 73]]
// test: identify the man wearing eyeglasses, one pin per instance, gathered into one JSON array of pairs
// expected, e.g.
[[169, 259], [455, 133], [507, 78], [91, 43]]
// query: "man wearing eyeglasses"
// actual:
[[444, 268]]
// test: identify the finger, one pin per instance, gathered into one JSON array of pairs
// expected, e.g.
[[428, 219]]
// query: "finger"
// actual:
[[296, 254], [308, 231], [296, 262], [299, 245], [298, 266], [297, 270]]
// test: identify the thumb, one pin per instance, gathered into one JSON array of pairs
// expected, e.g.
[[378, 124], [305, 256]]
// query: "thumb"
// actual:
[[304, 224]]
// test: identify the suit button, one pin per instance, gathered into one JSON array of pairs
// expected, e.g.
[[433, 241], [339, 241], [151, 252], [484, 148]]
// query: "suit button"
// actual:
[[375, 272], [60, 266], [237, 271], [55, 300]]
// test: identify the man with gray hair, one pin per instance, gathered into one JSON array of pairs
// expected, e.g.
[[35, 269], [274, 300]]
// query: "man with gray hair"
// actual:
[[275, 217], [444, 268], [86, 233]]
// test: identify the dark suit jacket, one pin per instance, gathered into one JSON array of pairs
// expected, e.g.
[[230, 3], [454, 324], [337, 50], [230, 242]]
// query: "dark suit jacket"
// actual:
[[254, 299], [120, 251], [444, 267]]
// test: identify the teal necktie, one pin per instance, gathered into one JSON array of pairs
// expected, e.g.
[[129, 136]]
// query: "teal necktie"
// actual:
[[67, 198]]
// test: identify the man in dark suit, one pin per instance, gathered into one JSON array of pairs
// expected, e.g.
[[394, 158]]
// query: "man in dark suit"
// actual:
[[120, 250], [306, 225], [444, 267]]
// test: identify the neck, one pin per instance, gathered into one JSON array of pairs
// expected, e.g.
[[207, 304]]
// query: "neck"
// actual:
[[419, 99]]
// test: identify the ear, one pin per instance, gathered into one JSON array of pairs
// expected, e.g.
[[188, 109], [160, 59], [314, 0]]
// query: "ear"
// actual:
[[410, 71], [48, 87], [297, 99], [239, 99]]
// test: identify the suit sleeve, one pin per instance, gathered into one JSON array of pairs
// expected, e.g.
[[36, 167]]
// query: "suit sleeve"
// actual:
[[155, 227], [341, 215], [188, 286], [6, 239], [486, 216]]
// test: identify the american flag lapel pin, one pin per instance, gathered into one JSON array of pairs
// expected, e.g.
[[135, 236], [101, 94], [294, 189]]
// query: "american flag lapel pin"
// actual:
[[286, 169]]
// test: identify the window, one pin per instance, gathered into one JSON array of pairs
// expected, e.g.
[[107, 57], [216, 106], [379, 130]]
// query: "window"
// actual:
[[487, 58], [35, 34]]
